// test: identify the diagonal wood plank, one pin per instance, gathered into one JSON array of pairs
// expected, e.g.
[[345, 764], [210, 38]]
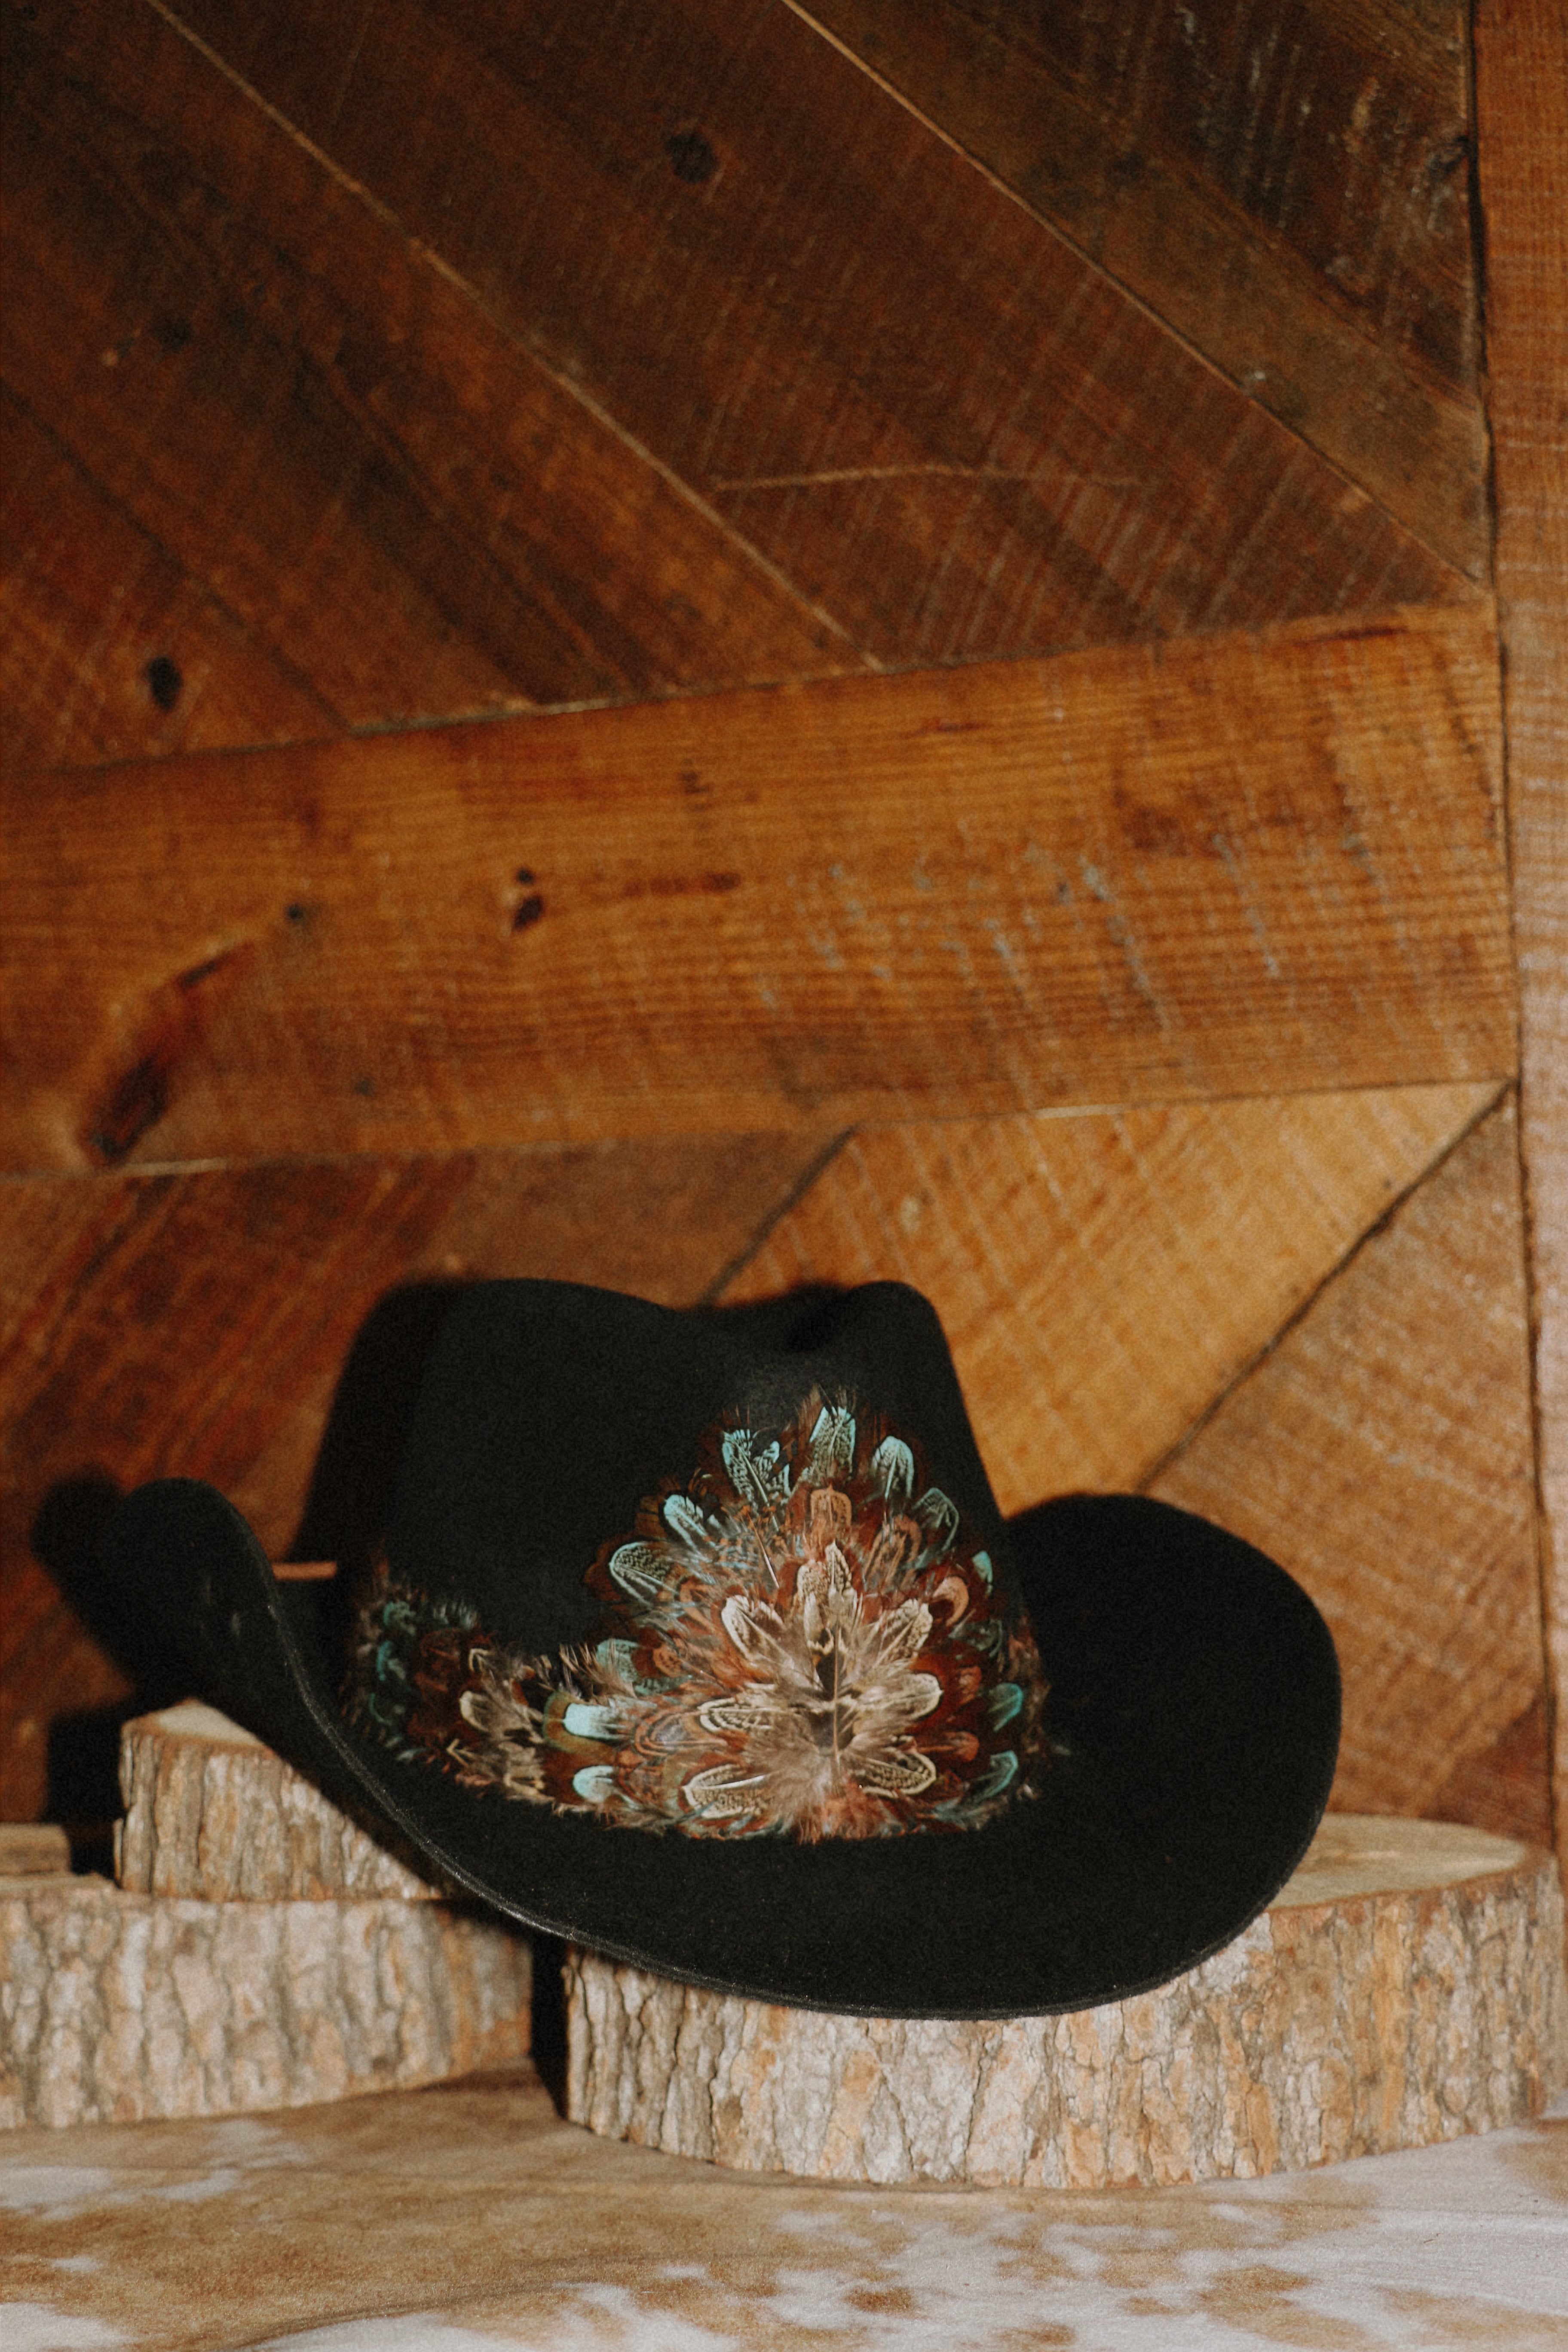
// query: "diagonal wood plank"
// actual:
[[1257, 864], [1288, 188], [197, 1325], [320, 429], [941, 422], [1521, 90], [1103, 1277], [1382, 1453], [109, 649]]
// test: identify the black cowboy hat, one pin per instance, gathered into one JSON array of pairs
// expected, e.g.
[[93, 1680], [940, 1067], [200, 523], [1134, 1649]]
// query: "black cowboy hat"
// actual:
[[699, 1641]]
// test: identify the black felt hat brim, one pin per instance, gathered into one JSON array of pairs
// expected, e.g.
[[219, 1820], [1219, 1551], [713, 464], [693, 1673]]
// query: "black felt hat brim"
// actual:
[[1194, 1709]]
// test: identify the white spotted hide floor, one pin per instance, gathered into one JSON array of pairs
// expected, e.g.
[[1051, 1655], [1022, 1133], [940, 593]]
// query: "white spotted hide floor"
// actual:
[[470, 2218]]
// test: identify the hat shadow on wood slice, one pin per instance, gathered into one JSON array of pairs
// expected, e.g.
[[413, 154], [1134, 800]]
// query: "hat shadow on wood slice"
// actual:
[[698, 1641]]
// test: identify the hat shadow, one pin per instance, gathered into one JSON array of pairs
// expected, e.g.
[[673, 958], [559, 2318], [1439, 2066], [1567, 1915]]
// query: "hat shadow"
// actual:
[[81, 1782], [346, 1510]]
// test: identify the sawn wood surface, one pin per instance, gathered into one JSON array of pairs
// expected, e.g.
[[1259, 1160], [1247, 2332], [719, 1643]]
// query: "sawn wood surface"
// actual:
[[1287, 189], [1259, 862], [507, 354], [1521, 91], [1382, 1453], [1102, 1276]]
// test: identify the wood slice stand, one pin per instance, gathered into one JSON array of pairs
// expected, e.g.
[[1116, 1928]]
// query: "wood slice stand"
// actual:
[[1406, 1986], [262, 1950], [259, 1950]]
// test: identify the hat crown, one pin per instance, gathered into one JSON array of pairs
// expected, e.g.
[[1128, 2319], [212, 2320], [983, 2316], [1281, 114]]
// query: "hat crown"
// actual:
[[548, 1411]]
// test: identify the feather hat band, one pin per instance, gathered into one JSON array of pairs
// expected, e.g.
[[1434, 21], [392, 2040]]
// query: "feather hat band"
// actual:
[[697, 1638], [796, 1641]]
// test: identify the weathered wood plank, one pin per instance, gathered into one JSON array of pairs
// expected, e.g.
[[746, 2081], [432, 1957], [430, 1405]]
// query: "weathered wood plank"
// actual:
[[1256, 864], [199, 1325], [109, 649], [1521, 90], [324, 432], [1287, 187], [946, 427], [1382, 1453], [1102, 1278]]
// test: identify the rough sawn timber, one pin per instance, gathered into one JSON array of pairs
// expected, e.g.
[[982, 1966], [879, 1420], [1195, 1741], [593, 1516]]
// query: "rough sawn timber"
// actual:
[[1103, 1277], [1407, 1986], [74, 692], [1381, 1453], [1286, 188], [1246, 864], [1521, 97], [940, 422], [388, 498]]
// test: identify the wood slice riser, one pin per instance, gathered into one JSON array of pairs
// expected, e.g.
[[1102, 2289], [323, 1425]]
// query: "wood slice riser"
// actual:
[[1326, 2030], [118, 2008]]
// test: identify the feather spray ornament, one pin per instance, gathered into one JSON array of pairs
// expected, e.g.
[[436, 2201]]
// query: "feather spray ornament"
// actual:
[[800, 1640]]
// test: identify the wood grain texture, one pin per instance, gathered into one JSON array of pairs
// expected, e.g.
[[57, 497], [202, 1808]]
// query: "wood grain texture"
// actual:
[[322, 432], [1327, 2029], [95, 615], [121, 2007], [1243, 864], [212, 1814], [946, 428], [1522, 88], [1103, 1277], [199, 1325], [1382, 1453], [1287, 187]]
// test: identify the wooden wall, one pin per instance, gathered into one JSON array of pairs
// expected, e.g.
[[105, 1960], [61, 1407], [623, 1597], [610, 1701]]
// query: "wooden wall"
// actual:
[[698, 647]]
